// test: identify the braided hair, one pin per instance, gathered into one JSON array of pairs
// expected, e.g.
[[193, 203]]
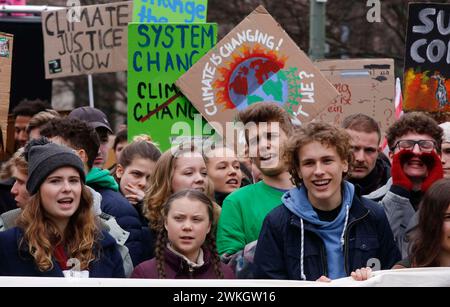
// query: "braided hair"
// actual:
[[210, 244], [161, 243], [210, 240]]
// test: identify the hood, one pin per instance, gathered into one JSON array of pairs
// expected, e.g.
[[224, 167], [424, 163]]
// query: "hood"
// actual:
[[332, 233], [101, 178], [377, 195], [296, 200], [97, 200]]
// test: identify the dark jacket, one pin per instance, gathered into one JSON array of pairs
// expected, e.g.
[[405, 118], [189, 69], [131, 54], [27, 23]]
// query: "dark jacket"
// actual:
[[7, 201], [19, 262], [367, 236], [376, 178], [139, 207], [113, 203], [178, 268]]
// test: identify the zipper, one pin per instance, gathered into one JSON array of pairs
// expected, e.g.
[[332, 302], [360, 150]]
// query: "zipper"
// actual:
[[347, 231]]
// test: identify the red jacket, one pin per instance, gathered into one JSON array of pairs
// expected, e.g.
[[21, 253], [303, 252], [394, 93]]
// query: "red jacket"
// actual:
[[178, 268]]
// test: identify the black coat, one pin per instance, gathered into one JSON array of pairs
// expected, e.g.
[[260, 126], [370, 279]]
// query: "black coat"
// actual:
[[19, 262], [368, 236]]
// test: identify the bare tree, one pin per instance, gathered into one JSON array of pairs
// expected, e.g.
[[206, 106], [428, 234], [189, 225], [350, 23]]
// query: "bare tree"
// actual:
[[348, 33]]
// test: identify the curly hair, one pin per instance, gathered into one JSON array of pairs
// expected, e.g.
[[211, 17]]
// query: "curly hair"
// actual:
[[323, 133], [77, 133], [41, 235], [427, 243], [30, 107], [210, 241], [416, 122]]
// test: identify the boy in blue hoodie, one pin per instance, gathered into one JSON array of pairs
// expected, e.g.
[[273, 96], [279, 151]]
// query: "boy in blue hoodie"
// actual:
[[323, 230]]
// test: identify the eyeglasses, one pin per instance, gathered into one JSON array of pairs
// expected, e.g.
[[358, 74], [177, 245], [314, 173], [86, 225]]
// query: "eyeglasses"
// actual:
[[424, 145]]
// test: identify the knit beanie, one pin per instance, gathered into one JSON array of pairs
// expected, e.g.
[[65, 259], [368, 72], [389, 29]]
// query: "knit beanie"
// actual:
[[446, 136], [44, 158]]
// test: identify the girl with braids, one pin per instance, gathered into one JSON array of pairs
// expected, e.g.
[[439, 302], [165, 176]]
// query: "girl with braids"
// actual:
[[181, 167], [57, 223], [431, 239], [186, 246]]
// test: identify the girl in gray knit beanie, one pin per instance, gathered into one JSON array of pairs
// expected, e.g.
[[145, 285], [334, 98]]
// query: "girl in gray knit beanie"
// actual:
[[57, 227]]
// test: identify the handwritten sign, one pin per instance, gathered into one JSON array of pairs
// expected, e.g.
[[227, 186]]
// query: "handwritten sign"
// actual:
[[364, 85], [158, 55], [87, 40], [427, 58], [256, 62], [182, 11], [6, 52]]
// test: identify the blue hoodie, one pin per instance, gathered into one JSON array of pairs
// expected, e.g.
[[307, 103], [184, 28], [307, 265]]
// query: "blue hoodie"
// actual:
[[332, 233]]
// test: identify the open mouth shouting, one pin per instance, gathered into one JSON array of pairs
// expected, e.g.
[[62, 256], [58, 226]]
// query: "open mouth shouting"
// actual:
[[65, 203]]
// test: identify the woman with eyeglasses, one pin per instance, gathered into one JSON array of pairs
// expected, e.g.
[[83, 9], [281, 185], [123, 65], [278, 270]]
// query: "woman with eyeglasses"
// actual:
[[415, 143]]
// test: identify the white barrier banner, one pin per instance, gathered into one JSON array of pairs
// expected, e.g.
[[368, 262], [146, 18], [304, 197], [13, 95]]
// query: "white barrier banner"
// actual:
[[423, 277]]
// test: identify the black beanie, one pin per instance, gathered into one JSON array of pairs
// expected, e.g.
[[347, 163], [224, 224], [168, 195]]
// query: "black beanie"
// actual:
[[44, 158]]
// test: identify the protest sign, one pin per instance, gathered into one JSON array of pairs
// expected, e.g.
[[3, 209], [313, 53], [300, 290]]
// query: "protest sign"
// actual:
[[86, 40], [182, 11], [158, 55], [6, 52], [427, 58], [365, 86], [257, 61]]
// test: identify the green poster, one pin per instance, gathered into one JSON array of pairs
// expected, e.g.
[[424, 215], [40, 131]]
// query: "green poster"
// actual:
[[177, 11], [158, 54]]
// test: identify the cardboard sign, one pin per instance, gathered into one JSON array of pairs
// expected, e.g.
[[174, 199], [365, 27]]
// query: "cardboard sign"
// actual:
[[6, 52], [158, 55], [427, 58], [257, 61], [86, 40], [182, 11], [365, 86]]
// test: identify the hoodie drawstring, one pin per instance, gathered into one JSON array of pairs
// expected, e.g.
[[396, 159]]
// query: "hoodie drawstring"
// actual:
[[302, 242], [302, 246], [347, 209]]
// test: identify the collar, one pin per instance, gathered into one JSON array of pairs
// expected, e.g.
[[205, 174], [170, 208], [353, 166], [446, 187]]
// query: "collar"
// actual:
[[179, 264], [357, 211], [200, 261]]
